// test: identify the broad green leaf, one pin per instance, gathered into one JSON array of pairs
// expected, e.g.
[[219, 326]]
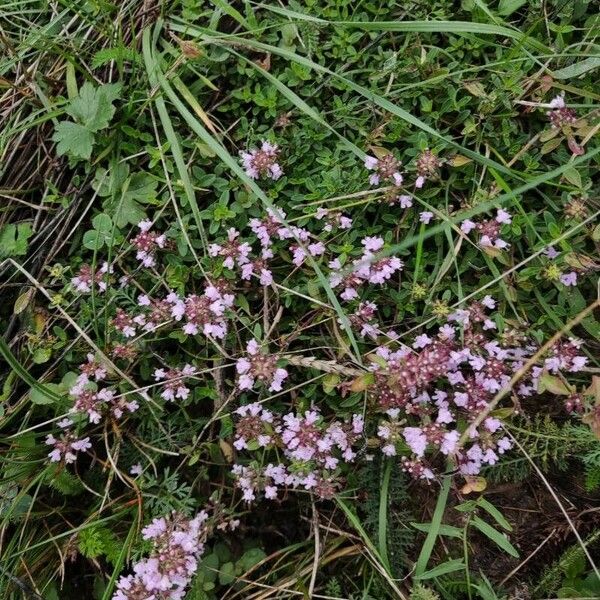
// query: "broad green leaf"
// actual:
[[125, 206], [250, 558], [573, 176], [141, 187], [73, 139], [39, 396], [23, 300], [110, 182], [41, 355], [93, 107], [93, 240], [13, 239]]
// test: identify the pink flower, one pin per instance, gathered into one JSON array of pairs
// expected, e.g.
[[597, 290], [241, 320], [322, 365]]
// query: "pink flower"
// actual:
[[416, 440], [425, 217], [146, 243], [258, 366], [467, 226], [503, 217], [387, 168], [262, 162], [372, 244], [569, 279]]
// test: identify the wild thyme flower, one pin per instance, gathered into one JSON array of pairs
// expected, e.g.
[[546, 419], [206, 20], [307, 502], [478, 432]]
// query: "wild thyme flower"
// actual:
[[261, 163], [255, 426], [66, 447], [385, 169], [432, 395], [259, 267], [92, 369], [427, 165], [233, 251], [258, 366], [86, 278], [174, 386], [124, 323], [178, 543], [204, 313], [559, 114], [313, 448], [489, 230], [333, 219], [147, 242]]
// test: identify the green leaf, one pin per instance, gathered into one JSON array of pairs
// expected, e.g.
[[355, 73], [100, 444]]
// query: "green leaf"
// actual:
[[41, 355], [507, 7], [118, 54], [93, 107], [250, 558], [13, 239], [102, 233], [137, 188], [40, 396], [447, 530], [498, 538], [579, 68], [73, 139], [573, 177], [141, 187], [494, 513], [227, 574], [553, 384], [448, 567], [436, 522], [93, 240], [551, 145]]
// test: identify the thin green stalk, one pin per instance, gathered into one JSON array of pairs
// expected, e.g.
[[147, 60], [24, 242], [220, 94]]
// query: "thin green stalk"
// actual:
[[383, 508], [436, 521]]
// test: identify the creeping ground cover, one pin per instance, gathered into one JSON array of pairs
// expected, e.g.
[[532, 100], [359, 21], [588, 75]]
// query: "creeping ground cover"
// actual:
[[299, 300]]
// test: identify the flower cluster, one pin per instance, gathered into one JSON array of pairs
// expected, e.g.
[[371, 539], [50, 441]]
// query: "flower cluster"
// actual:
[[233, 251], [432, 395], [259, 366], [67, 445], [333, 219], [566, 356], [559, 114], [93, 402], [553, 271], [178, 543], [314, 450], [385, 169], [367, 269], [489, 230], [427, 165], [254, 428], [364, 321], [262, 162], [157, 312], [205, 313], [86, 278], [147, 242], [174, 382]]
